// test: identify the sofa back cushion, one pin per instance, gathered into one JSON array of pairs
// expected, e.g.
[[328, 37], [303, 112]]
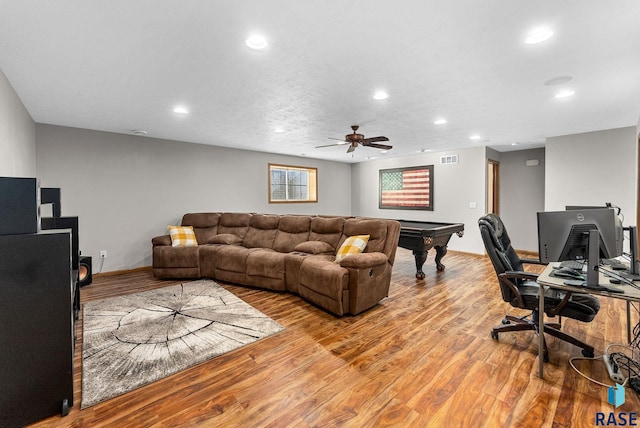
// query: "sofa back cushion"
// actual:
[[292, 230], [262, 231], [327, 229], [205, 225], [234, 223], [376, 229]]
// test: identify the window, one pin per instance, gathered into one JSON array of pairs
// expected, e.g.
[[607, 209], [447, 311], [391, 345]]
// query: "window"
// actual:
[[292, 184]]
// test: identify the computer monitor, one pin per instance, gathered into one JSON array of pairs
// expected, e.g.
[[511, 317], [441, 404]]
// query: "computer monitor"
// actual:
[[564, 235], [585, 207]]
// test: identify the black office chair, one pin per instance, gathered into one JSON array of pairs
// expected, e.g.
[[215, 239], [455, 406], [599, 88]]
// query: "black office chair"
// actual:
[[520, 289]]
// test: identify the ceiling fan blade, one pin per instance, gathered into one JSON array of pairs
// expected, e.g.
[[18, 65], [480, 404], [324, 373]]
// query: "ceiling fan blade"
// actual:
[[378, 146], [339, 139], [342, 143], [351, 148], [374, 139]]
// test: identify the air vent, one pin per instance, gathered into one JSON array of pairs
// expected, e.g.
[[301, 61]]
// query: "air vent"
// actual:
[[448, 160]]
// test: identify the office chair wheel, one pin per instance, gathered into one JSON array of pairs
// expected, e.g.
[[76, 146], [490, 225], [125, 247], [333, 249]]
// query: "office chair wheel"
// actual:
[[587, 354], [65, 407], [494, 335]]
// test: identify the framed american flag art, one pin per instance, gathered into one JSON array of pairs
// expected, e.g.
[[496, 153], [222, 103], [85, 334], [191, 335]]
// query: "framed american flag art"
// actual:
[[407, 188]]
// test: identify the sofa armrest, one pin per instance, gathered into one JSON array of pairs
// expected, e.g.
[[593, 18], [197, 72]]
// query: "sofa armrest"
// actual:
[[161, 240], [364, 260]]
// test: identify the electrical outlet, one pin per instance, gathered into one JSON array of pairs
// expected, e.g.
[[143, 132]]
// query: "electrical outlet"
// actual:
[[103, 254]]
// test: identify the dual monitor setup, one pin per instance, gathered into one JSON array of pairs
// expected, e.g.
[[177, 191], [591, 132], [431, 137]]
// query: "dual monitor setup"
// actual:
[[588, 236]]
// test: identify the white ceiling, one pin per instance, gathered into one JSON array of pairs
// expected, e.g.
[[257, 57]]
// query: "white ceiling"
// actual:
[[123, 65]]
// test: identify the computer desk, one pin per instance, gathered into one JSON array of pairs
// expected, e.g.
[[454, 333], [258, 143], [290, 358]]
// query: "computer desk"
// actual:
[[630, 295]]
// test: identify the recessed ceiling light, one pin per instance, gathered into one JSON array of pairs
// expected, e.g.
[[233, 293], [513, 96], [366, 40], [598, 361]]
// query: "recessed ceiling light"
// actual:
[[383, 151], [440, 121], [514, 144], [278, 130], [139, 133], [558, 80], [565, 94], [475, 137], [181, 110], [424, 150], [538, 35], [370, 157], [256, 42], [380, 95]]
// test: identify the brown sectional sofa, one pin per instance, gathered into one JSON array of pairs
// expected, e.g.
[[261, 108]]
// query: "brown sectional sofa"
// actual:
[[293, 253]]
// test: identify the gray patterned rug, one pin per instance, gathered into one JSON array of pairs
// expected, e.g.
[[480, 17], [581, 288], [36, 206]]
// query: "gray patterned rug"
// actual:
[[133, 340]]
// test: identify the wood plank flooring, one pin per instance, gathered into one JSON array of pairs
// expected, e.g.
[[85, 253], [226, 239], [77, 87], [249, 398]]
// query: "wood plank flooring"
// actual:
[[422, 357]]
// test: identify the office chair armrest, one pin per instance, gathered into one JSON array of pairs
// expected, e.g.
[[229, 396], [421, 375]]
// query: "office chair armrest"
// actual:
[[516, 274], [511, 278], [533, 262]]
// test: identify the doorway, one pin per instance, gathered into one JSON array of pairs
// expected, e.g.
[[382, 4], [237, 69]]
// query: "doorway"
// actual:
[[493, 187]]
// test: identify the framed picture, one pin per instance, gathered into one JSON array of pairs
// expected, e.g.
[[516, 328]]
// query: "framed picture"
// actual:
[[407, 188]]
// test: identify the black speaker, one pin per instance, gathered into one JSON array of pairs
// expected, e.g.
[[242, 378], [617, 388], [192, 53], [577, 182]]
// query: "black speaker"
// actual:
[[19, 205], [84, 270]]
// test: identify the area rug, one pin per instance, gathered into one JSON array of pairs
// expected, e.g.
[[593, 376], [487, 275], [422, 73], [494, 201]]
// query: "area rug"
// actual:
[[133, 340]]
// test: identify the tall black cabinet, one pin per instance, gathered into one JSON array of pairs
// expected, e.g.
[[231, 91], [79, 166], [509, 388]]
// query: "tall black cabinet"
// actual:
[[36, 326]]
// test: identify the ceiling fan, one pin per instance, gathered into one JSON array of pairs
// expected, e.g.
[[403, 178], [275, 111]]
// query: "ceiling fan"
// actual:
[[354, 139]]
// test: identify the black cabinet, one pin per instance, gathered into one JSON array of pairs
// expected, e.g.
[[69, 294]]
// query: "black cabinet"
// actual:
[[36, 327]]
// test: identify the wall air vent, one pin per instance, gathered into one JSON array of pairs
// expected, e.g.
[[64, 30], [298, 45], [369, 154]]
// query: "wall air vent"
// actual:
[[448, 160]]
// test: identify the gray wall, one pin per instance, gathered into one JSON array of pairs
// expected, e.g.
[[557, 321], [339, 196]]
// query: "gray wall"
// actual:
[[17, 134], [522, 190], [127, 189], [591, 169], [455, 187]]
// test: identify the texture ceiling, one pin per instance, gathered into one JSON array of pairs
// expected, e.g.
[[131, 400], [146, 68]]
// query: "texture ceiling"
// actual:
[[123, 65]]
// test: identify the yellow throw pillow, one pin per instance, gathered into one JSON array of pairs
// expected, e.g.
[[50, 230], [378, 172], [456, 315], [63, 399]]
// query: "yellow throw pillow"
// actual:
[[182, 236], [352, 245]]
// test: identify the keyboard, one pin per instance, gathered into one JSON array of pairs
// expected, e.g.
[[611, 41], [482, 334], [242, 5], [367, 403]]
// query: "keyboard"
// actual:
[[572, 264]]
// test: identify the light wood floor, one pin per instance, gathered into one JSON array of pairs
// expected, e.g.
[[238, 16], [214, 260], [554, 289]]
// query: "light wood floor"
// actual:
[[423, 357]]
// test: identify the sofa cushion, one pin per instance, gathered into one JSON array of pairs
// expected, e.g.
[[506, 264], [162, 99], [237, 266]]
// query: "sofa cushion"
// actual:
[[375, 228], [225, 238], [351, 245], [267, 263], [234, 223], [265, 269], [292, 230], [314, 247], [182, 236], [327, 229], [262, 231], [232, 258], [205, 225]]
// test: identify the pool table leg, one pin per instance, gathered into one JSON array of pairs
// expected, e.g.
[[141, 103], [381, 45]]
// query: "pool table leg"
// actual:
[[441, 251], [421, 257]]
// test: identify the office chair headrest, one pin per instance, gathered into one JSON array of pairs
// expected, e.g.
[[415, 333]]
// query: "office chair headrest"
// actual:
[[501, 242], [496, 229]]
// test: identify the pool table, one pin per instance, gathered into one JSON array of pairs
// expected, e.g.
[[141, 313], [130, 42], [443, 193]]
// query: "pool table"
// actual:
[[421, 236]]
